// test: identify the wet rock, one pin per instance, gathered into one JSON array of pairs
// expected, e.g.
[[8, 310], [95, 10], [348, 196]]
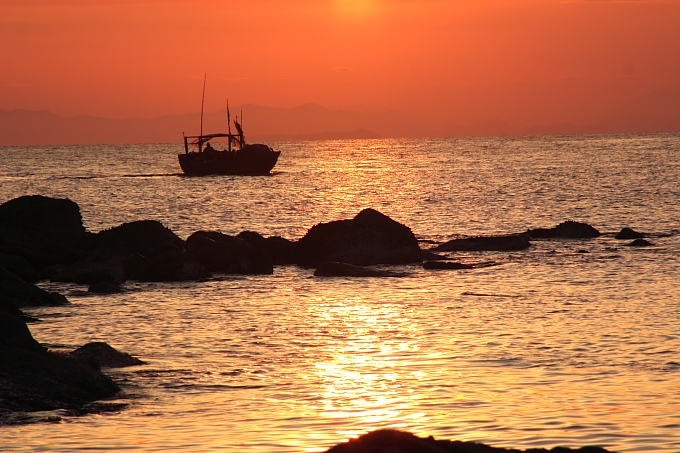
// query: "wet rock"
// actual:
[[369, 238], [226, 254], [394, 441], [501, 243], [628, 233], [336, 269], [446, 265], [640, 243], [566, 230], [102, 355]]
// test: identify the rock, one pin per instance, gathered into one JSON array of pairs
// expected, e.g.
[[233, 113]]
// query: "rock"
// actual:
[[369, 238], [34, 379], [502, 243], [335, 269], [566, 230], [173, 266], [281, 250], [627, 233], [54, 219], [226, 254], [446, 265], [394, 441], [640, 243], [148, 238], [25, 294], [102, 355], [19, 266]]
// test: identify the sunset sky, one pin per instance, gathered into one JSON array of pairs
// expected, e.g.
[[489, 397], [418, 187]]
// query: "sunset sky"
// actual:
[[460, 61]]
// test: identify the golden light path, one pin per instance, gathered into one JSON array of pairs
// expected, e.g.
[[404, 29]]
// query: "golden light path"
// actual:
[[362, 376]]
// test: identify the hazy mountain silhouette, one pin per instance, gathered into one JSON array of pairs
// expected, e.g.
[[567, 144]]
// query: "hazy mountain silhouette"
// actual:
[[655, 112], [306, 122]]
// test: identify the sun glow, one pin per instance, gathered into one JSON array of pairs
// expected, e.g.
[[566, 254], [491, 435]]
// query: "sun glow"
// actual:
[[356, 7]]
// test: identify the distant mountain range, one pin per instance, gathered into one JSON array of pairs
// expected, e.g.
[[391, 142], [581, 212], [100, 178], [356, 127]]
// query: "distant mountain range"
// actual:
[[314, 122]]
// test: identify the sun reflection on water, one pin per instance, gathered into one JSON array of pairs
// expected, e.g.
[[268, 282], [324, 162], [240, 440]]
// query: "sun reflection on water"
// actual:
[[362, 375]]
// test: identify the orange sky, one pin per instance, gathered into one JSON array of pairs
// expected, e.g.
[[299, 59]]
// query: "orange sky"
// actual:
[[525, 61]]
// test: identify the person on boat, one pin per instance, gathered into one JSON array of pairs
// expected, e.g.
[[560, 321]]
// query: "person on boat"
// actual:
[[209, 150]]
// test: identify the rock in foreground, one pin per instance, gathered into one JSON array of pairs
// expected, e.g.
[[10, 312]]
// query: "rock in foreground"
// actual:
[[393, 441]]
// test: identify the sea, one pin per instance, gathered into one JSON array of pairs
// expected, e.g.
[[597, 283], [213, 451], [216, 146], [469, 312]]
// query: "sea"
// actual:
[[568, 343]]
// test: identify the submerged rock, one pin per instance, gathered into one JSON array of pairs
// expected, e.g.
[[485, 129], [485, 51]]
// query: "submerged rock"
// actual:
[[565, 230], [100, 355], [628, 233], [394, 441], [369, 238], [501, 243], [640, 243]]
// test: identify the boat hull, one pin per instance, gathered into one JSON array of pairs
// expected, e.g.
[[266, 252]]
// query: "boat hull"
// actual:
[[251, 160]]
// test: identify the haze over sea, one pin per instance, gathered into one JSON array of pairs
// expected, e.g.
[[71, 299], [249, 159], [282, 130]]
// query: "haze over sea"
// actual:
[[571, 342]]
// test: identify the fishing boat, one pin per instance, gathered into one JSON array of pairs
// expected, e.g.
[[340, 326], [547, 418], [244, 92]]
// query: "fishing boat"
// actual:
[[238, 158]]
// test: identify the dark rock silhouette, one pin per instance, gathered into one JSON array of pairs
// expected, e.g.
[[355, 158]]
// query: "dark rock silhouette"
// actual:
[[628, 233], [486, 243], [281, 250], [640, 243], [566, 230], [52, 219], [369, 238], [101, 355], [226, 254], [335, 269], [148, 238], [394, 441], [43, 231], [34, 379]]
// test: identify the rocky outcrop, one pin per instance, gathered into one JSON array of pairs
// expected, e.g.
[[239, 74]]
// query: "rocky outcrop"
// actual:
[[394, 441], [502, 243], [281, 250], [226, 254], [565, 230], [34, 379], [369, 238], [41, 231]]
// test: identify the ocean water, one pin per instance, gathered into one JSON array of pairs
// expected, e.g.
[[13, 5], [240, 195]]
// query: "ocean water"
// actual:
[[571, 342]]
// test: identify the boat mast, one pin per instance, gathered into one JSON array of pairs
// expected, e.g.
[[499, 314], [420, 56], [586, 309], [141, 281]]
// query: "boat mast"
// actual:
[[229, 125], [200, 140]]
